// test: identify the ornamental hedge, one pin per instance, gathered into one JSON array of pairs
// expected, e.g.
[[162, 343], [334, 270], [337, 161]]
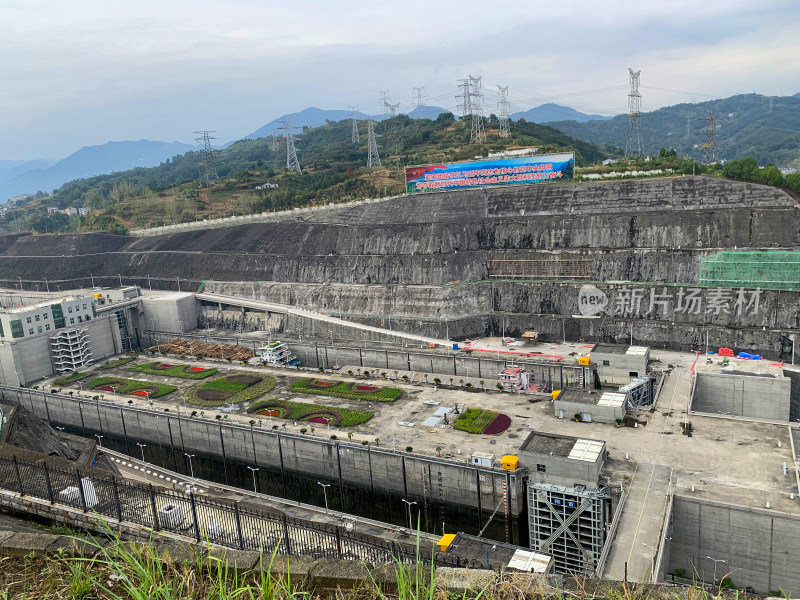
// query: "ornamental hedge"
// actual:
[[232, 389], [170, 370], [120, 385], [112, 364], [345, 390], [299, 411], [474, 420], [71, 378]]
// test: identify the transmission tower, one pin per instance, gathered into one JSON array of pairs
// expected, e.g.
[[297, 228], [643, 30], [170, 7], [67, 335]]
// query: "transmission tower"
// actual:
[[477, 133], [634, 145], [464, 97], [211, 167], [503, 108], [291, 153], [354, 118], [275, 138], [710, 147], [373, 159], [419, 98], [385, 103]]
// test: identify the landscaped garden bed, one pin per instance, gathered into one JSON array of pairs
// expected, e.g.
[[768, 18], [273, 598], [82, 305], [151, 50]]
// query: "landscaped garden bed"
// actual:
[[172, 370], [478, 420], [350, 391], [71, 378], [313, 413], [120, 385], [113, 364], [231, 389]]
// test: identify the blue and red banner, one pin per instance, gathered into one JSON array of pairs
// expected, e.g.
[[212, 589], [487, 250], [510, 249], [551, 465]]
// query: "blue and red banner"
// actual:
[[507, 171]]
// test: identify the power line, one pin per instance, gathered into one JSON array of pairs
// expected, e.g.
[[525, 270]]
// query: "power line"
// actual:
[[210, 166], [291, 153], [634, 145]]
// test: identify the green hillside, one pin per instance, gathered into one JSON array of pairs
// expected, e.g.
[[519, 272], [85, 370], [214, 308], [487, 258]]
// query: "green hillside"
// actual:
[[746, 127], [334, 170]]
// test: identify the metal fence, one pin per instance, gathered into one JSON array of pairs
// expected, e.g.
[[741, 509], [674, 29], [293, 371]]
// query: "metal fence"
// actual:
[[203, 519]]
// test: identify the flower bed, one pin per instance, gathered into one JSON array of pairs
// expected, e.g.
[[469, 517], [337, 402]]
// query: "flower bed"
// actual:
[[313, 413], [120, 385], [500, 423], [474, 420], [346, 390], [366, 388], [182, 371], [270, 412], [232, 389]]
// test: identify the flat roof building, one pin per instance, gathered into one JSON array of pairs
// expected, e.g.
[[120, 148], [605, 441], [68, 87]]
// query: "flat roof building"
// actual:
[[618, 364], [590, 405]]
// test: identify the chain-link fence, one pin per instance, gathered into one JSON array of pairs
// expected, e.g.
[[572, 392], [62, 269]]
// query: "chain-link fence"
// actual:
[[203, 519]]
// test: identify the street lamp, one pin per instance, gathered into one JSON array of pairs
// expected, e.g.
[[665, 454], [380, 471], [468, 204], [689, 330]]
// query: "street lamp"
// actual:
[[716, 560], [191, 467], [652, 561], [253, 471], [325, 487], [99, 439], [408, 503], [142, 447]]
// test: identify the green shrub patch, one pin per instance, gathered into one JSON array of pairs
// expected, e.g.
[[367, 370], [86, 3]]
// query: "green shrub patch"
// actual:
[[71, 378], [120, 385], [474, 420], [171, 370], [299, 411], [231, 389], [346, 390]]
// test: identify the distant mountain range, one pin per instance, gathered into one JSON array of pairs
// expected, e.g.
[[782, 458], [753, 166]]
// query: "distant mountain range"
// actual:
[[547, 113], [27, 177], [747, 125]]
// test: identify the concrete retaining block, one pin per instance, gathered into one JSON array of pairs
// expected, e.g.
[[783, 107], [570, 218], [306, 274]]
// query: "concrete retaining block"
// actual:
[[334, 574]]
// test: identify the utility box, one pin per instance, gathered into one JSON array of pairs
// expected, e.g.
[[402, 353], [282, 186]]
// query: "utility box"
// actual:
[[509, 462], [483, 459]]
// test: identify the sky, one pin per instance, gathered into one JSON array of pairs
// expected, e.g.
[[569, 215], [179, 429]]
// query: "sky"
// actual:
[[85, 72]]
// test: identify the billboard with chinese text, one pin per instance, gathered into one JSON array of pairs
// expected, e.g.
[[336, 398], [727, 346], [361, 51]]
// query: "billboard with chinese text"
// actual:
[[492, 172]]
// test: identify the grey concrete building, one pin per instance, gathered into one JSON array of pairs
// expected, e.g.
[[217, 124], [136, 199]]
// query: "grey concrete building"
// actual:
[[617, 365], [746, 388], [176, 312], [568, 503], [591, 405], [56, 336]]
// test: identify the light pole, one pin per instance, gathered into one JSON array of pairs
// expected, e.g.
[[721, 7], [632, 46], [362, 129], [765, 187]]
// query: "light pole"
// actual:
[[652, 561], [191, 467], [325, 487], [99, 439], [144, 469], [253, 471], [716, 560], [408, 503]]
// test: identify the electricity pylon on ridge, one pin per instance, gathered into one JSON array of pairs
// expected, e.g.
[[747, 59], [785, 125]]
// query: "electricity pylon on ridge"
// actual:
[[633, 147], [210, 165], [373, 159], [710, 146], [477, 133], [503, 109], [354, 118], [291, 153], [464, 97], [418, 99]]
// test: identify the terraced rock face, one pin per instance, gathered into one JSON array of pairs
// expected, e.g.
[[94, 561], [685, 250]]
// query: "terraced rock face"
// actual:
[[395, 259]]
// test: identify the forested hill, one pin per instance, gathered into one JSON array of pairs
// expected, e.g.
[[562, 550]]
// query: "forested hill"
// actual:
[[748, 125], [334, 169]]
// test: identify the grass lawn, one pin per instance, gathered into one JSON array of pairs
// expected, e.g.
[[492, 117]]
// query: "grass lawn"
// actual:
[[300, 411], [71, 378], [171, 370], [231, 389], [118, 363]]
